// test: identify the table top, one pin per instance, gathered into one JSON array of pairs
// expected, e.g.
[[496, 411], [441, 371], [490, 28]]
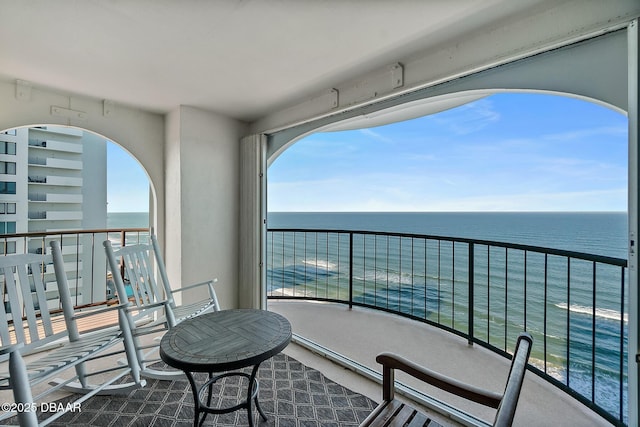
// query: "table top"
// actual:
[[225, 340]]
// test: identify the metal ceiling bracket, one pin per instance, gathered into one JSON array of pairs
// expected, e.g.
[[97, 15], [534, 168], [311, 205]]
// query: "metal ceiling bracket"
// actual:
[[334, 98], [108, 108], [397, 75], [23, 90], [69, 114]]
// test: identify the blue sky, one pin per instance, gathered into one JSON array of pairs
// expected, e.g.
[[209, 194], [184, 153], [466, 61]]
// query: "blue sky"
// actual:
[[506, 152], [127, 183]]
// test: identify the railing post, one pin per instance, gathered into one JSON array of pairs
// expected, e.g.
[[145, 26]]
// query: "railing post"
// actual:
[[350, 270], [123, 241], [470, 308]]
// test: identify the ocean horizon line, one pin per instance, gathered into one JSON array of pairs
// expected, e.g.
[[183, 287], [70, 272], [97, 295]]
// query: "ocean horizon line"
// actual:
[[453, 212]]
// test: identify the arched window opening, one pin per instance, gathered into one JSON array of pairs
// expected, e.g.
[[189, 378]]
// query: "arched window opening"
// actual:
[[70, 184], [485, 219]]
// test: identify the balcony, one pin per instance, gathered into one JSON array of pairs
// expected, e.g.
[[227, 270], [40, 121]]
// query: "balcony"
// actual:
[[56, 215], [483, 292], [208, 189], [333, 333], [48, 144], [49, 162], [55, 198], [339, 323], [55, 180]]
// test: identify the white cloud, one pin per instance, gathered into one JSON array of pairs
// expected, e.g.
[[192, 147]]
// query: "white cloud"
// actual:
[[500, 172], [468, 118], [586, 133], [375, 135], [605, 200]]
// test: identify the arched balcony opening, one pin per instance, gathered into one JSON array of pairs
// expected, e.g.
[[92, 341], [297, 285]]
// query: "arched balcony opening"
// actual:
[[60, 182], [409, 237]]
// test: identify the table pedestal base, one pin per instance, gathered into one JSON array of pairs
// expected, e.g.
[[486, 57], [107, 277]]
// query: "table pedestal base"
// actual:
[[205, 409]]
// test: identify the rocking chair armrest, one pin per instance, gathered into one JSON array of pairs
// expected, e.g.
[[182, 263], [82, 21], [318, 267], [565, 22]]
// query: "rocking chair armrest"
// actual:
[[11, 348], [93, 312], [158, 304], [392, 361], [196, 285]]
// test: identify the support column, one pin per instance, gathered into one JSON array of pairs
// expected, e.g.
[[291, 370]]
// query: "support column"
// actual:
[[253, 218], [202, 164]]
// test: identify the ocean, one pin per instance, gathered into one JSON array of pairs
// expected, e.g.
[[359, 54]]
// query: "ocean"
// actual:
[[428, 279], [127, 219], [600, 233]]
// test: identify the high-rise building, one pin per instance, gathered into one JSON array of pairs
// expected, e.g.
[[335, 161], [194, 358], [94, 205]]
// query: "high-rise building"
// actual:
[[52, 178]]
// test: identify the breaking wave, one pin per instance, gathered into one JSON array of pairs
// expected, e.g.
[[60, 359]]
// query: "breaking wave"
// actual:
[[600, 312]]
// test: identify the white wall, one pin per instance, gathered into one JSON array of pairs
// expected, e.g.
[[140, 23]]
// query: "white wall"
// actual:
[[139, 132], [202, 179], [94, 178], [191, 153]]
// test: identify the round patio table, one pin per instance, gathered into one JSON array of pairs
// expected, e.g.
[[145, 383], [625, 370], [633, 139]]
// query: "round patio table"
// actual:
[[224, 341]]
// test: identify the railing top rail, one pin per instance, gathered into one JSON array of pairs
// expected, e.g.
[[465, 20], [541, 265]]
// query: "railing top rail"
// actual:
[[620, 262], [67, 232]]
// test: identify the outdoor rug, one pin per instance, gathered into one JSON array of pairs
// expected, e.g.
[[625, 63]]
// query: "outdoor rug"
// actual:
[[291, 394]]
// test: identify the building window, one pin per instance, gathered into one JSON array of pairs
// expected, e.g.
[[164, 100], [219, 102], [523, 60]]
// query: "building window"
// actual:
[[8, 227], [7, 187], [7, 208], [10, 132], [7, 147], [8, 168], [7, 248]]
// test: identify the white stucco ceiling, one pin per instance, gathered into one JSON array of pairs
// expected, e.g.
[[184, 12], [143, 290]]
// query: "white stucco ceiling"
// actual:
[[241, 58]]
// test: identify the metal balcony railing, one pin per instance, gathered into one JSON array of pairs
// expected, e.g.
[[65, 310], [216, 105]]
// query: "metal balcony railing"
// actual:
[[84, 257], [574, 304]]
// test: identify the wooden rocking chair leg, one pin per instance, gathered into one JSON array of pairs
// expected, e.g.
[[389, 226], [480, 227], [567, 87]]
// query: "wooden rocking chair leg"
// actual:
[[81, 372], [129, 346]]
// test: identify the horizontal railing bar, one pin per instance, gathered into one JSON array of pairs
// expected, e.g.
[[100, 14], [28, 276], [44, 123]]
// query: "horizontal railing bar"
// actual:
[[72, 232]]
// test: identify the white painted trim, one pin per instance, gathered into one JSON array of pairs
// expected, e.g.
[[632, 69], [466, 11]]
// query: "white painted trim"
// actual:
[[252, 274], [633, 35]]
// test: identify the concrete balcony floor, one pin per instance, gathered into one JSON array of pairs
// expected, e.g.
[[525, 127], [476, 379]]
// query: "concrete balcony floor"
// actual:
[[360, 334]]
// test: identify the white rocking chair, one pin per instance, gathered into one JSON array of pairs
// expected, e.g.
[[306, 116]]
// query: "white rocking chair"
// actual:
[[31, 325], [153, 306]]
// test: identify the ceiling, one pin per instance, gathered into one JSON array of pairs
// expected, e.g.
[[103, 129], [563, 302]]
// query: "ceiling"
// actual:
[[240, 58]]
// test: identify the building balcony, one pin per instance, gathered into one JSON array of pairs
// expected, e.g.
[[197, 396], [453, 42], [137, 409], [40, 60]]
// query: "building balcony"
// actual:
[[59, 130], [55, 198], [349, 329], [56, 215], [50, 162], [53, 145]]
